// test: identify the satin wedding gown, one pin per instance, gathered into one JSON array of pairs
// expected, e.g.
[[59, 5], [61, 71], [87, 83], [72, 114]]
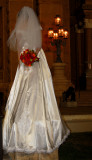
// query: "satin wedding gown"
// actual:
[[32, 122]]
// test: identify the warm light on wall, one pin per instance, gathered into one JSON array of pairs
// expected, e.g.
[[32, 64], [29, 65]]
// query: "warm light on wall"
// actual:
[[50, 33], [65, 35], [55, 35], [58, 36], [61, 32], [57, 20]]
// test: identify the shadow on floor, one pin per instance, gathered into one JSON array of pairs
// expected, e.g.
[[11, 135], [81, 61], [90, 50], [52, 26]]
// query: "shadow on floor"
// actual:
[[78, 146]]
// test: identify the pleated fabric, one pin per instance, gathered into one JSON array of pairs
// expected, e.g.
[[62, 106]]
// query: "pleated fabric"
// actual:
[[32, 122]]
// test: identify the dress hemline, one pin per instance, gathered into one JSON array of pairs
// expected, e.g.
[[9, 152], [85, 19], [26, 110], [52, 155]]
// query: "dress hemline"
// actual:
[[36, 151]]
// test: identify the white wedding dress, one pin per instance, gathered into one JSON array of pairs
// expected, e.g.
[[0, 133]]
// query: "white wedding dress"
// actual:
[[32, 122]]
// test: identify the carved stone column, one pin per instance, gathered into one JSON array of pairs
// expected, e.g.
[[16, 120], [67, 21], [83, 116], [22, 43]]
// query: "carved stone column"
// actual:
[[88, 45], [61, 83], [88, 39], [1, 149], [80, 78]]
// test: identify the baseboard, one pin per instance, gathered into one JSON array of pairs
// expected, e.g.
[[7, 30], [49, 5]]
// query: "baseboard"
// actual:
[[78, 123]]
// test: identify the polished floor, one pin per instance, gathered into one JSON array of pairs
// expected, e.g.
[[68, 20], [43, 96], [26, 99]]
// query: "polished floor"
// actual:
[[78, 146]]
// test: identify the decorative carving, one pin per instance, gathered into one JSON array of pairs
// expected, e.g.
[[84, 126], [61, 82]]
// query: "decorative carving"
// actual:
[[88, 23], [70, 92], [79, 13], [1, 38], [1, 76], [7, 35], [37, 7]]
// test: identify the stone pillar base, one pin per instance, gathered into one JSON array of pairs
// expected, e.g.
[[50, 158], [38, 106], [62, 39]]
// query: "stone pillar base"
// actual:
[[61, 83], [89, 80]]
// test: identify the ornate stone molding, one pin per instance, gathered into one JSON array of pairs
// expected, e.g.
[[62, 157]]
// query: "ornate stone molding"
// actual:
[[88, 23], [81, 30], [87, 7]]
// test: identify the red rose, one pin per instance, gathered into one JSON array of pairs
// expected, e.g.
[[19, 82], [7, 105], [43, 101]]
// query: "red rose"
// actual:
[[28, 57]]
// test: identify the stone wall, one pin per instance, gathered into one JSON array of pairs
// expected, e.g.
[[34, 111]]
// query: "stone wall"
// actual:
[[47, 11]]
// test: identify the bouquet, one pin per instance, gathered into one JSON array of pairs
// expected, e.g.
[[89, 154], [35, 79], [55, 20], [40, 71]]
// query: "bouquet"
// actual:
[[28, 57]]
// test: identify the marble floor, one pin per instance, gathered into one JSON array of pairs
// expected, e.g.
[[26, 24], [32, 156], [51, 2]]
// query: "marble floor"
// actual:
[[78, 146]]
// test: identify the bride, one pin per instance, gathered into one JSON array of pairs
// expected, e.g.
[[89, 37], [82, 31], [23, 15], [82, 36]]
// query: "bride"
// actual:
[[32, 122]]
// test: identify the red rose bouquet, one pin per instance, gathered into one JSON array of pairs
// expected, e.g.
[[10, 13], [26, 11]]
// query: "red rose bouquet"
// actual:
[[28, 57]]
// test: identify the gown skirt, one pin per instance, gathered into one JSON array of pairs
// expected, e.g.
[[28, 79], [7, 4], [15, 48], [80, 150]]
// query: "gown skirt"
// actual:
[[32, 122]]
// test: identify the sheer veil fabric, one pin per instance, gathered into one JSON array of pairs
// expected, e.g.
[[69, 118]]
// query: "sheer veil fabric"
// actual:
[[27, 30], [32, 122]]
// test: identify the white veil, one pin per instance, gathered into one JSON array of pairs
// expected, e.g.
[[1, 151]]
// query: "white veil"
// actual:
[[27, 30]]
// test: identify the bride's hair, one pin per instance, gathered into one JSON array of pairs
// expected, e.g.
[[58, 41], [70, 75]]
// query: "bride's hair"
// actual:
[[27, 30]]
